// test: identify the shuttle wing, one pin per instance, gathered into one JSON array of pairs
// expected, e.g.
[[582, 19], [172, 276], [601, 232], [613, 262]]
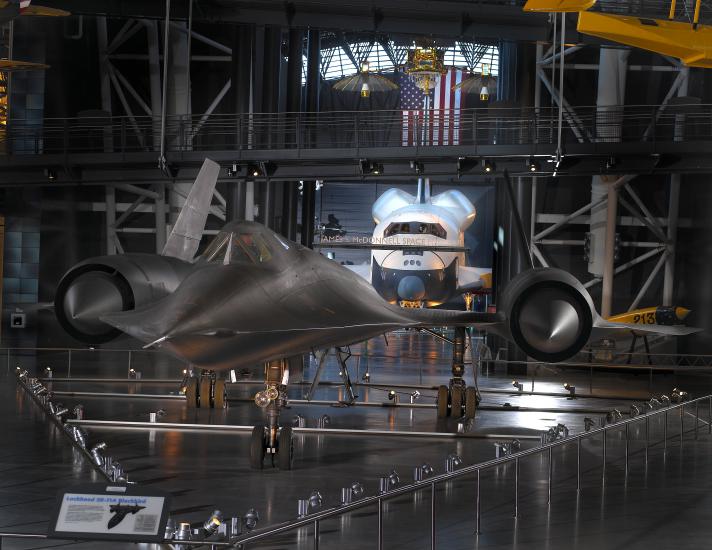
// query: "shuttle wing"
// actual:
[[473, 278]]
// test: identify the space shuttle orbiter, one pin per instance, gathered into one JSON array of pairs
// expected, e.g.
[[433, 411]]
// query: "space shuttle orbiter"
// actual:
[[427, 264]]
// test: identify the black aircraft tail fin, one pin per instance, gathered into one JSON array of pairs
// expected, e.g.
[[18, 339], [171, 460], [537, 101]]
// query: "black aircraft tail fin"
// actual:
[[185, 237]]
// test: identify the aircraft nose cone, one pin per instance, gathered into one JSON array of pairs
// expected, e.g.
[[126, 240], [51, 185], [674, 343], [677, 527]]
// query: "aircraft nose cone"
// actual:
[[411, 288]]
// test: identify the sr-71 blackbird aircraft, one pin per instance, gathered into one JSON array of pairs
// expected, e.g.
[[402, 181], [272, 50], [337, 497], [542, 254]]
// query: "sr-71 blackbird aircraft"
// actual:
[[253, 297]]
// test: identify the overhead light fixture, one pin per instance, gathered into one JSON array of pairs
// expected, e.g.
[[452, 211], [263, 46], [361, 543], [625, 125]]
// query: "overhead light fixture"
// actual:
[[532, 165], [369, 167], [365, 82], [465, 164], [484, 93], [254, 170], [488, 166], [571, 389]]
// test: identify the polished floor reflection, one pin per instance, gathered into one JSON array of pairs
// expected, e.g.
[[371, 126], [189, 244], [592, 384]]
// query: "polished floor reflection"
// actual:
[[663, 502]]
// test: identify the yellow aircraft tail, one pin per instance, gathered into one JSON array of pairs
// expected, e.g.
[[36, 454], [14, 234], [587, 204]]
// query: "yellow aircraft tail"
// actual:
[[658, 315]]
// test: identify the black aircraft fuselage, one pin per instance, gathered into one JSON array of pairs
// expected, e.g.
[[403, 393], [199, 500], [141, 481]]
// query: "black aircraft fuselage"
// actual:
[[254, 296]]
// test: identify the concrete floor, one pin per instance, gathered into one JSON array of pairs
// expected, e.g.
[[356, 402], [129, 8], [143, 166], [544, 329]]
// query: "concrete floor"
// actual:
[[664, 503]]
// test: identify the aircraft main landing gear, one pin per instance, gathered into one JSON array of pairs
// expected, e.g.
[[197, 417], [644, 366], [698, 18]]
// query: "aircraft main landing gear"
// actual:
[[457, 400], [205, 391], [271, 439]]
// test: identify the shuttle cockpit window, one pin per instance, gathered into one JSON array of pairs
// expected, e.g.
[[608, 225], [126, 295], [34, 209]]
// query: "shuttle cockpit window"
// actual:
[[415, 228]]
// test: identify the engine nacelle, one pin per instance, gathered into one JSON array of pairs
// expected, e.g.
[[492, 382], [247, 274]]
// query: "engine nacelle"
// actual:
[[549, 314], [108, 284]]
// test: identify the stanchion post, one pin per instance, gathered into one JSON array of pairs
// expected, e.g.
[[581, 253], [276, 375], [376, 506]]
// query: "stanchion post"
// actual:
[[69, 363], [647, 437], [316, 534], [665, 431], [603, 465], [626, 448], [578, 464], [432, 516], [697, 417], [551, 466], [516, 487], [380, 524], [478, 518]]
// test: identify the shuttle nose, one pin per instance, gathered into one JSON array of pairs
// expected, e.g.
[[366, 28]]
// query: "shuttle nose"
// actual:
[[411, 288]]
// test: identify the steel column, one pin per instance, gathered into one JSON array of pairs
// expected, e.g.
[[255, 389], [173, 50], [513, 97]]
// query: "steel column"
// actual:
[[164, 92], [160, 215], [110, 219], [104, 78], [609, 251], [313, 70]]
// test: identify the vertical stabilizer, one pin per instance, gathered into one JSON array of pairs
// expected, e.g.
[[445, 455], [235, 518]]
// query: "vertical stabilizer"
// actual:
[[423, 191], [185, 237]]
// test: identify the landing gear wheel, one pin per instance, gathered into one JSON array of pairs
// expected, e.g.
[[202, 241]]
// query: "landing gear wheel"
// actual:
[[470, 402], [257, 447], [443, 398], [285, 454], [191, 393], [219, 394], [205, 392], [456, 401]]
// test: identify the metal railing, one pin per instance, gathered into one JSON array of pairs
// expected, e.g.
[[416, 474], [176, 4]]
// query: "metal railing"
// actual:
[[315, 519], [357, 129]]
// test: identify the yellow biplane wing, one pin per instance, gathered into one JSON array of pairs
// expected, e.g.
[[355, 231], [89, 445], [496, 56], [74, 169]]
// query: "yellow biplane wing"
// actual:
[[558, 5], [690, 43], [12, 65], [43, 11], [693, 46]]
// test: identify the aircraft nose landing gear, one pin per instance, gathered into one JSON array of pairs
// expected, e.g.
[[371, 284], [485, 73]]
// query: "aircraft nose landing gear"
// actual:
[[457, 399], [271, 439]]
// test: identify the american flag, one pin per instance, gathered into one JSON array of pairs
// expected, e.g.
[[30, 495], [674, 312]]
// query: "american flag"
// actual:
[[434, 118]]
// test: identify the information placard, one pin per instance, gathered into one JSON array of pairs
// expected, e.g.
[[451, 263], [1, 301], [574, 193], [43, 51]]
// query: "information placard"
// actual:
[[110, 512]]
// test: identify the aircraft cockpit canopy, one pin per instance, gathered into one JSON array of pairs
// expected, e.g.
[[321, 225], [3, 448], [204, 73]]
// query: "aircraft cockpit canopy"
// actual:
[[415, 228], [230, 247]]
